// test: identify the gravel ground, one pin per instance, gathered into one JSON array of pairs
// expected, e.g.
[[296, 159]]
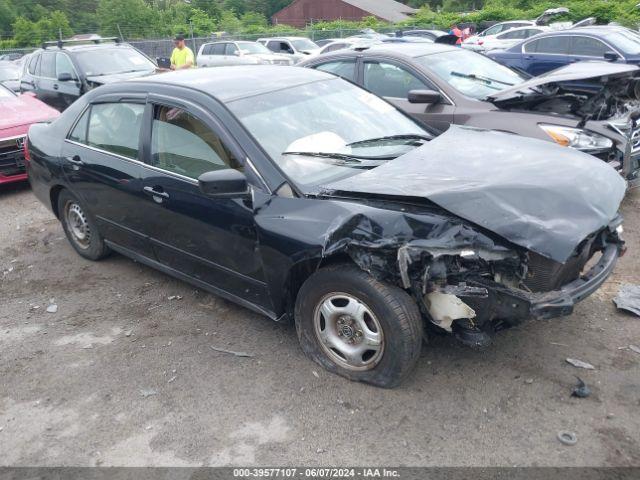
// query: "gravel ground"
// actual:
[[123, 373]]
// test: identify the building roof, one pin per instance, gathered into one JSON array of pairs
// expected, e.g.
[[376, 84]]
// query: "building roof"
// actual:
[[386, 9]]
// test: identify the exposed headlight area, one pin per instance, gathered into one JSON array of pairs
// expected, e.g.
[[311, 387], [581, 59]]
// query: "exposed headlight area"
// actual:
[[577, 138]]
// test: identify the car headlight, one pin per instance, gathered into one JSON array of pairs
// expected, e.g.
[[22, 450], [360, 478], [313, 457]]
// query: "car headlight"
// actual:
[[577, 138]]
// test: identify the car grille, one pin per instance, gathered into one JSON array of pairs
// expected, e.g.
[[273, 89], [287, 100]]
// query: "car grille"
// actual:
[[12, 156], [546, 275]]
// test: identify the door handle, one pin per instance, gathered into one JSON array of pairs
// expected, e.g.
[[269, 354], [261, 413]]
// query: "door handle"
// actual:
[[75, 161], [55, 86], [155, 193]]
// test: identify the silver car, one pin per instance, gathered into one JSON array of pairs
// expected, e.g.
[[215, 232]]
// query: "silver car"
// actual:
[[297, 48], [218, 54]]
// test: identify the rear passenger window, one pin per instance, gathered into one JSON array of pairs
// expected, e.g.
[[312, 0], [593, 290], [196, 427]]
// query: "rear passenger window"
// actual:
[[557, 45], [345, 69], [48, 65], [588, 47], [183, 144], [115, 127]]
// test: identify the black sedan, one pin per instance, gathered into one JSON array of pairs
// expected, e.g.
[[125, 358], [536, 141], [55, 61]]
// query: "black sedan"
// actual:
[[301, 196]]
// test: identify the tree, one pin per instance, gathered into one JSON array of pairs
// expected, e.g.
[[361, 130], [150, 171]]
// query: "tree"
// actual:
[[134, 17]]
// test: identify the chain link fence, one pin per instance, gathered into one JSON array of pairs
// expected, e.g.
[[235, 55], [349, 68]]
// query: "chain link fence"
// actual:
[[163, 47]]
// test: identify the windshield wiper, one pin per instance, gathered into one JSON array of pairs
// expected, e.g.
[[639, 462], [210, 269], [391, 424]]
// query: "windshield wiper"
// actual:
[[406, 136], [473, 76], [343, 157]]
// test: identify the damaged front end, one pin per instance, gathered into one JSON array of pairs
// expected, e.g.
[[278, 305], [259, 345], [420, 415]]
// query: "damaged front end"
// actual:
[[604, 100], [467, 284]]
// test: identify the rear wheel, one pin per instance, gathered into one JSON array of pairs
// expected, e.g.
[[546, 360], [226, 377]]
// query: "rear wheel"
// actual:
[[80, 227], [358, 327]]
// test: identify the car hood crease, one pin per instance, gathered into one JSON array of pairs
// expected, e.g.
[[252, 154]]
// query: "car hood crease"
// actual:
[[535, 194]]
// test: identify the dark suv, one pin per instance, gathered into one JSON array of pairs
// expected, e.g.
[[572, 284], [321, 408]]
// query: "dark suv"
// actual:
[[60, 72]]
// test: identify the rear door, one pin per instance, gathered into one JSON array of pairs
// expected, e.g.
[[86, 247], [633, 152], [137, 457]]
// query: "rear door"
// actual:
[[210, 240], [102, 165], [29, 80], [394, 81], [541, 55], [47, 88]]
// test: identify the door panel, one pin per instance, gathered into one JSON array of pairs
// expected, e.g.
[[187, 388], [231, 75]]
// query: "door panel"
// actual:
[[213, 240], [108, 182]]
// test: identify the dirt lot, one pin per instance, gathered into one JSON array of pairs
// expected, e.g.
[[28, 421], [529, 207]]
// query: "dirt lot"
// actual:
[[123, 374]]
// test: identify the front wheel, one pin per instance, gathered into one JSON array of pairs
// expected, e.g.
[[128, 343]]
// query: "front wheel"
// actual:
[[358, 327]]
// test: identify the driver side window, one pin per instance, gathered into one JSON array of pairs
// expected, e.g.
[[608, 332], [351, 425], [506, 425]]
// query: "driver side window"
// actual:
[[183, 144], [387, 80]]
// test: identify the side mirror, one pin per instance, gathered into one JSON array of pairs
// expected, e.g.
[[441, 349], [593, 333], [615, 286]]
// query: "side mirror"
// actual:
[[65, 77], [237, 53], [611, 56], [226, 183], [424, 96]]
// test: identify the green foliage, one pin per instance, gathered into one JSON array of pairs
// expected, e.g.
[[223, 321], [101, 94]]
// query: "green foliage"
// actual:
[[29, 22]]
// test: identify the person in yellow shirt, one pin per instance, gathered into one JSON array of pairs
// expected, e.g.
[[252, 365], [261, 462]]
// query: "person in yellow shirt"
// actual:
[[182, 56]]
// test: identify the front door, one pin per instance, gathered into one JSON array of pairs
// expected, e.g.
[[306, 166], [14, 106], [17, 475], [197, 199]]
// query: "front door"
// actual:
[[102, 167], [69, 90], [212, 240], [394, 82]]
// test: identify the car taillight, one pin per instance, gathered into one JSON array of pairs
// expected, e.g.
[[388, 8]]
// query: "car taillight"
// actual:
[[25, 146]]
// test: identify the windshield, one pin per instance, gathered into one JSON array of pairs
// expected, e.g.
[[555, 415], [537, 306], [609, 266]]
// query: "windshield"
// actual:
[[470, 73], [251, 47], [625, 40], [327, 117], [9, 72], [304, 44], [113, 60]]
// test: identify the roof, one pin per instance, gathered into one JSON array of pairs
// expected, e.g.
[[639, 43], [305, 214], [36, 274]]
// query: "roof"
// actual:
[[88, 46], [386, 9], [411, 50], [236, 82]]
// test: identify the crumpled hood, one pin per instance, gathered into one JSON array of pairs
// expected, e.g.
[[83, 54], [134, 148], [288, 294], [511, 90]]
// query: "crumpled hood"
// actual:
[[535, 194], [609, 72], [117, 77]]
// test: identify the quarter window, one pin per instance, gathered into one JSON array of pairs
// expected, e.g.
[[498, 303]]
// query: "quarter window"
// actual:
[[588, 47], [183, 144], [387, 80], [48, 65], [33, 63], [79, 133], [115, 127], [345, 69]]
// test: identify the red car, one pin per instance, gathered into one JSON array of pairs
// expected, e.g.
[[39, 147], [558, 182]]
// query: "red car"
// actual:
[[17, 114]]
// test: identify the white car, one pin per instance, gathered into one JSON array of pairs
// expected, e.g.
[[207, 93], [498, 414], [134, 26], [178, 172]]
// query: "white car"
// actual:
[[342, 44], [474, 42], [297, 48], [218, 54], [509, 38]]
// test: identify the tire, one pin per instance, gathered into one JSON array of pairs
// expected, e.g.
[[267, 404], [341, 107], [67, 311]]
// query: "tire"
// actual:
[[76, 221], [382, 313]]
